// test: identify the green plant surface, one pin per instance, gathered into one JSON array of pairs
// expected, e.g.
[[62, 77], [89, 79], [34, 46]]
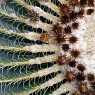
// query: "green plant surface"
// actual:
[[27, 64]]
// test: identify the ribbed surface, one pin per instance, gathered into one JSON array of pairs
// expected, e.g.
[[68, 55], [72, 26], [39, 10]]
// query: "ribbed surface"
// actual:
[[27, 64]]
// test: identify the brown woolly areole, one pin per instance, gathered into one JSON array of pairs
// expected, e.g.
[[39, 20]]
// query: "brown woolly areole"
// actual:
[[74, 26]]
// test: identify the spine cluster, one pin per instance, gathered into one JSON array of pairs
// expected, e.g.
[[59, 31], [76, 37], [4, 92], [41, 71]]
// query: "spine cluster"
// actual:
[[64, 37]]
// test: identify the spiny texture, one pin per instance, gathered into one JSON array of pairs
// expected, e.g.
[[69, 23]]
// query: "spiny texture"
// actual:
[[41, 51], [27, 64]]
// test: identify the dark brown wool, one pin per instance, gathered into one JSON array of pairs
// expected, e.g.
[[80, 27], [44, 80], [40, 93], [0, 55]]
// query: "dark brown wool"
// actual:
[[80, 76], [67, 29], [72, 39], [90, 11], [60, 39], [65, 47], [91, 3], [73, 16], [57, 29], [90, 77], [65, 19], [81, 67], [72, 63], [75, 25], [83, 3], [75, 53]]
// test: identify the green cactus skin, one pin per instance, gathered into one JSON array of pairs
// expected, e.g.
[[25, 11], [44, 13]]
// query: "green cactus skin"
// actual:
[[21, 71]]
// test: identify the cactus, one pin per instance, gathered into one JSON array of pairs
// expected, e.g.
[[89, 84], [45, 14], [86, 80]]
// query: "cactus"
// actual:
[[31, 60]]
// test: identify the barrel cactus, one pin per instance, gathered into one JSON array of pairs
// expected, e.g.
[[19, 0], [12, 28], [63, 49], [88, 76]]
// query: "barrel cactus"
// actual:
[[47, 47]]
